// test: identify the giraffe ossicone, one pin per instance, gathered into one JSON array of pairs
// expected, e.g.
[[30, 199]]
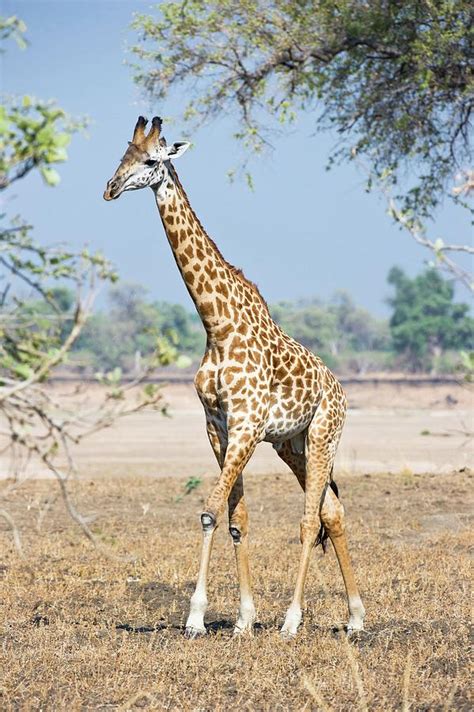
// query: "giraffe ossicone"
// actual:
[[255, 383]]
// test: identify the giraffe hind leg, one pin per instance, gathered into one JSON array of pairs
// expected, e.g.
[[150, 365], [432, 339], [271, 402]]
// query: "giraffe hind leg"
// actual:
[[323, 534], [294, 457], [332, 516], [321, 454], [319, 451], [295, 461]]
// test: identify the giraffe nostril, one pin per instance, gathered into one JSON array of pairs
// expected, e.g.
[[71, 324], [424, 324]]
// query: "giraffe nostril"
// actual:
[[110, 190], [113, 186]]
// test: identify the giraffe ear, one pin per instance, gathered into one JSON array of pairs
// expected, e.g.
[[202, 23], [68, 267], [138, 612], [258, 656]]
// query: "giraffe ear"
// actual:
[[177, 149]]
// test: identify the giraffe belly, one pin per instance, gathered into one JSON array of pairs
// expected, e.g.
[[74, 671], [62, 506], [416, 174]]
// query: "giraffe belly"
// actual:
[[284, 424]]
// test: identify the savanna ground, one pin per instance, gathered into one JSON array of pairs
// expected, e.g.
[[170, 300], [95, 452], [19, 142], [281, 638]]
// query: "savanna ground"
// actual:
[[84, 629]]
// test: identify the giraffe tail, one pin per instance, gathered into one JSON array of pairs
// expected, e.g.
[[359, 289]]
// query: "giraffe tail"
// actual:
[[322, 534]]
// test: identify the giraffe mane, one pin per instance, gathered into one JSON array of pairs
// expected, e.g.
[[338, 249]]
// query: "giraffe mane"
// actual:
[[234, 270]]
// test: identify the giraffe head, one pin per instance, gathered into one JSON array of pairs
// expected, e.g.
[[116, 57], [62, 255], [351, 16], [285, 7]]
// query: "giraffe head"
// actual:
[[144, 161]]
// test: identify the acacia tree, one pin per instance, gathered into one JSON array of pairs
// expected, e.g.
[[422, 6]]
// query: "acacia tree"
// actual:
[[425, 319], [393, 78], [38, 322]]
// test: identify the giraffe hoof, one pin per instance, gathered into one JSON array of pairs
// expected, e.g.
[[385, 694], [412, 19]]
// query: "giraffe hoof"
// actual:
[[292, 622], [240, 632], [289, 630], [287, 634], [243, 629], [353, 630], [356, 623], [192, 633]]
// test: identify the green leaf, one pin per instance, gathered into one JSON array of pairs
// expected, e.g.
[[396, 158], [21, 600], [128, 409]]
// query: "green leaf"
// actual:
[[62, 140], [50, 175], [183, 361], [23, 370], [57, 155]]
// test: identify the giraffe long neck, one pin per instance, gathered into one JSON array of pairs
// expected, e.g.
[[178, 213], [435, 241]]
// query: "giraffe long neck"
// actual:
[[218, 290]]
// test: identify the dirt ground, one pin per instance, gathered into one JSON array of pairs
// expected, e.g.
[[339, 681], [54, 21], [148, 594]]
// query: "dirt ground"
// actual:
[[87, 629]]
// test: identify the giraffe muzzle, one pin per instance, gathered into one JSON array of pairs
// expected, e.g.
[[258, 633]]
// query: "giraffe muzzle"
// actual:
[[113, 190]]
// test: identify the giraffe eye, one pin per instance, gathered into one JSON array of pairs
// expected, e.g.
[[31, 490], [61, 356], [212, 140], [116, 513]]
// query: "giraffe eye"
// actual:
[[150, 163]]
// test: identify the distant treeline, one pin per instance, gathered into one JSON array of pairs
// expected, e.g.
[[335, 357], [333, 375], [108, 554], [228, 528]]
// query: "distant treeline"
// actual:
[[427, 330]]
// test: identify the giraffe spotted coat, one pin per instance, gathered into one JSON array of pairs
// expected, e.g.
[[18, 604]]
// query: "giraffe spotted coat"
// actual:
[[255, 383]]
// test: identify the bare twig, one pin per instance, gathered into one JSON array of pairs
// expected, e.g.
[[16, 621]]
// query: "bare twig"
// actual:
[[49, 363], [354, 666], [320, 701], [449, 702], [439, 251], [35, 423], [406, 684], [15, 533], [438, 247]]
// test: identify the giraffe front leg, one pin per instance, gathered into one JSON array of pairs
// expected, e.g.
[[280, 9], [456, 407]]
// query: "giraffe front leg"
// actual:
[[195, 623], [241, 444], [238, 527]]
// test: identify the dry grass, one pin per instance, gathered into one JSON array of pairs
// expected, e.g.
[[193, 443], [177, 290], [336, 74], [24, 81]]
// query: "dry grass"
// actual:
[[81, 631]]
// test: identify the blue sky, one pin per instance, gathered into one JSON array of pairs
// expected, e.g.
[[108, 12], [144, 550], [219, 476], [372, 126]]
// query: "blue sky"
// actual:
[[303, 232]]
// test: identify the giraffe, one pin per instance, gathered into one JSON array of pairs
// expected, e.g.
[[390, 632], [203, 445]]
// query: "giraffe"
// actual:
[[255, 383]]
